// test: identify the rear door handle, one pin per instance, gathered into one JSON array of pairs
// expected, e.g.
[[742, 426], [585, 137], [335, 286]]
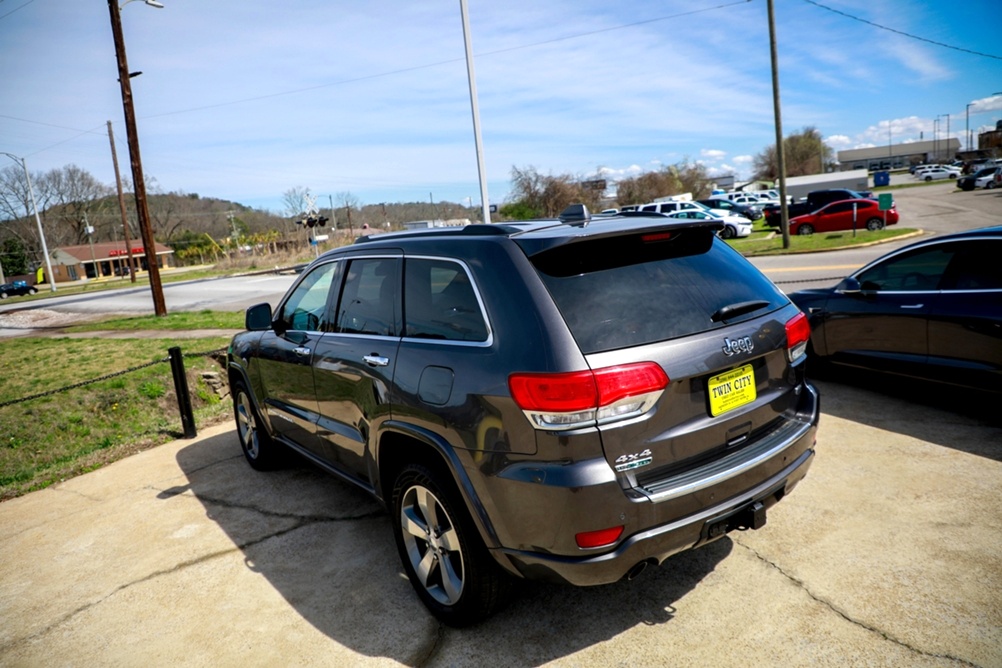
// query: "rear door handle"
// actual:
[[376, 360]]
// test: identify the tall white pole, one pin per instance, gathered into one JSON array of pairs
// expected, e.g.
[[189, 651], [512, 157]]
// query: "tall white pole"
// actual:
[[38, 220], [471, 74]]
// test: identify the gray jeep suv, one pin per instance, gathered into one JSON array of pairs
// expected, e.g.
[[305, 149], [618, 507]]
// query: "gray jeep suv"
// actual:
[[565, 400]]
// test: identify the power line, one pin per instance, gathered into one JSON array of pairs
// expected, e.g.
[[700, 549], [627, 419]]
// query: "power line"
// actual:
[[899, 32]]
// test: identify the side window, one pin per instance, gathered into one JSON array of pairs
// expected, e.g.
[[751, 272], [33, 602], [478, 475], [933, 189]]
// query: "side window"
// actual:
[[304, 310], [975, 266], [369, 301], [439, 302], [918, 271], [841, 207]]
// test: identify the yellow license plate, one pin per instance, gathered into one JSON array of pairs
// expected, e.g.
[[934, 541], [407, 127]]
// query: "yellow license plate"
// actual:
[[732, 389]]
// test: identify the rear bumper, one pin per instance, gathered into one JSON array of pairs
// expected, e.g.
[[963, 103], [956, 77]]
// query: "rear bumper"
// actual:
[[768, 475], [656, 544]]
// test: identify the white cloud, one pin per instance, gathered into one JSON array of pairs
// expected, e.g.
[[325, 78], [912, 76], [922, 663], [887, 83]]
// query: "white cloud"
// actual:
[[744, 159], [713, 154]]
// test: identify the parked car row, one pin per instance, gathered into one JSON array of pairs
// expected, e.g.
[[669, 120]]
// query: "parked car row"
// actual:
[[986, 177], [734, 224]]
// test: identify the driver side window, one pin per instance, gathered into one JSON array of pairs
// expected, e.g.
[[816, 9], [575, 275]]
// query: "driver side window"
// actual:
[[304, 310], [919, 271]]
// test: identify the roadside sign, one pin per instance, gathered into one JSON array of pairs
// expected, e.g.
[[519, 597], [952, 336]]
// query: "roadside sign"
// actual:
[[885, 201]]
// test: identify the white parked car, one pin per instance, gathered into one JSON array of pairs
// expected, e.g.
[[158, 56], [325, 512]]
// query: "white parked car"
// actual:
[[673, 206], [938, 173], [988, 180], [734, 225]]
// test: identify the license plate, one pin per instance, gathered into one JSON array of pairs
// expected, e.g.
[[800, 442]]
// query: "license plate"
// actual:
[[731, 389]]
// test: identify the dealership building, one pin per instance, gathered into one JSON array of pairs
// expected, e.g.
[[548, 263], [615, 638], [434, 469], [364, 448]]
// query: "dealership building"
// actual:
[[899, 156]]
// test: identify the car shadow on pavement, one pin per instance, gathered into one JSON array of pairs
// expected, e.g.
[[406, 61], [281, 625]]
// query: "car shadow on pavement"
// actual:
[[328, 550], [965, 420]]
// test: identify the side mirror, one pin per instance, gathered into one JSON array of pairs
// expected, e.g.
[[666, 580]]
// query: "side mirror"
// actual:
[[848, 286], [258, 318]]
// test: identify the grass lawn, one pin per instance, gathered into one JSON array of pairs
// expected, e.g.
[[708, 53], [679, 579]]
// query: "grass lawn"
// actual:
[[768, 241], [59, 435]]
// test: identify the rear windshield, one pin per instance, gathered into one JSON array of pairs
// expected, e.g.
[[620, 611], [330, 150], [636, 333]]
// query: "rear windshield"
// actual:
[[637, 289]]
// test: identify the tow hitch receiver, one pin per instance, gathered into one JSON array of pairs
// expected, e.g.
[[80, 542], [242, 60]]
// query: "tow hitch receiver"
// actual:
[[752, 517], [749, 517]]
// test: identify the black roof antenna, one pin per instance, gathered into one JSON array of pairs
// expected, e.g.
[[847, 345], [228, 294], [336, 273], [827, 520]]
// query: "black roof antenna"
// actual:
[[575, 214]]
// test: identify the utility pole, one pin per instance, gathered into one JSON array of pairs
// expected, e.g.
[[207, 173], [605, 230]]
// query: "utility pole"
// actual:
[[138, 181], [121, 206], [780, 159]]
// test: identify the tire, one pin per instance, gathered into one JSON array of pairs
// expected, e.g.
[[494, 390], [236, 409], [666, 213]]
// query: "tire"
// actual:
[[3, 295], [874, 224], [928, 178], [990, 185], [261, 452], [727, 233], [441, 551], [805, 229], [32, 291]]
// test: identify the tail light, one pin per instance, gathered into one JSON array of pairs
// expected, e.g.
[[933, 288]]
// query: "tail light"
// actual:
[[587, 398], [798, 333]]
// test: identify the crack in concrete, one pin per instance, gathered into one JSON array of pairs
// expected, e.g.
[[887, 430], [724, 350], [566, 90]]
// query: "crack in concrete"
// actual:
[[845, 615], [425, 657], [301, 521], [232, 505]]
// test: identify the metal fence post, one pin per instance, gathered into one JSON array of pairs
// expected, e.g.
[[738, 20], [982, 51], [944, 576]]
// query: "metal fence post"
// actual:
[[181, 389]]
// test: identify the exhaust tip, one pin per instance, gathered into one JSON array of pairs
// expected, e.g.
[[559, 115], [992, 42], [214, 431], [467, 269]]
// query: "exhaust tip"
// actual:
[[637, 570]]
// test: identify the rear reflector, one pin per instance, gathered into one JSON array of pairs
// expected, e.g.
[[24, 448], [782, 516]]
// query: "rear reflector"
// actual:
[[599, 538]]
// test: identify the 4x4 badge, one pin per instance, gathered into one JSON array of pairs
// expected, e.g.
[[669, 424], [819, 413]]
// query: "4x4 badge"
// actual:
[[735, 346], [633, 461]]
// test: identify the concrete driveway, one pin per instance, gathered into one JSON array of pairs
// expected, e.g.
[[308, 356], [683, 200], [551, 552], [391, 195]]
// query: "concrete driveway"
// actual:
[[888, 554]]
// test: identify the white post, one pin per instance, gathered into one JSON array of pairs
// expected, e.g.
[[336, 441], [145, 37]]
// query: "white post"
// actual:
[[471, 74]]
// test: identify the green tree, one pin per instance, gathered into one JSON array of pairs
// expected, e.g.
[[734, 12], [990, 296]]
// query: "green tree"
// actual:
[[14, 257]]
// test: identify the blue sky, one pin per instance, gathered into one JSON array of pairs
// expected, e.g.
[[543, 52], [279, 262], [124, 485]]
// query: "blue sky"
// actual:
[[244, 100]]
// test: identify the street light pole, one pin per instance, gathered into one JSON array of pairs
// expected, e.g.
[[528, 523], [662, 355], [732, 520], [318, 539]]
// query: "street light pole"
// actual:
[[967, 127], [138, 182], [38, 220], [472, 77]]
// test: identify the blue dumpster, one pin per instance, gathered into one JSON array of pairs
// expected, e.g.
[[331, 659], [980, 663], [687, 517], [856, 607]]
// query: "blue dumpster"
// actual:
[[881, 179]]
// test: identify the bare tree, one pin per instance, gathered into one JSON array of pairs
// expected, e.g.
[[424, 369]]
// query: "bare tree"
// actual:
[[805, 153], [538, 195], [346, 204], [295, 201], [682, 177]]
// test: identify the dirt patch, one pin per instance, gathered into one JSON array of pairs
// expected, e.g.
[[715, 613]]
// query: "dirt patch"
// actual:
[[43, 320]]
